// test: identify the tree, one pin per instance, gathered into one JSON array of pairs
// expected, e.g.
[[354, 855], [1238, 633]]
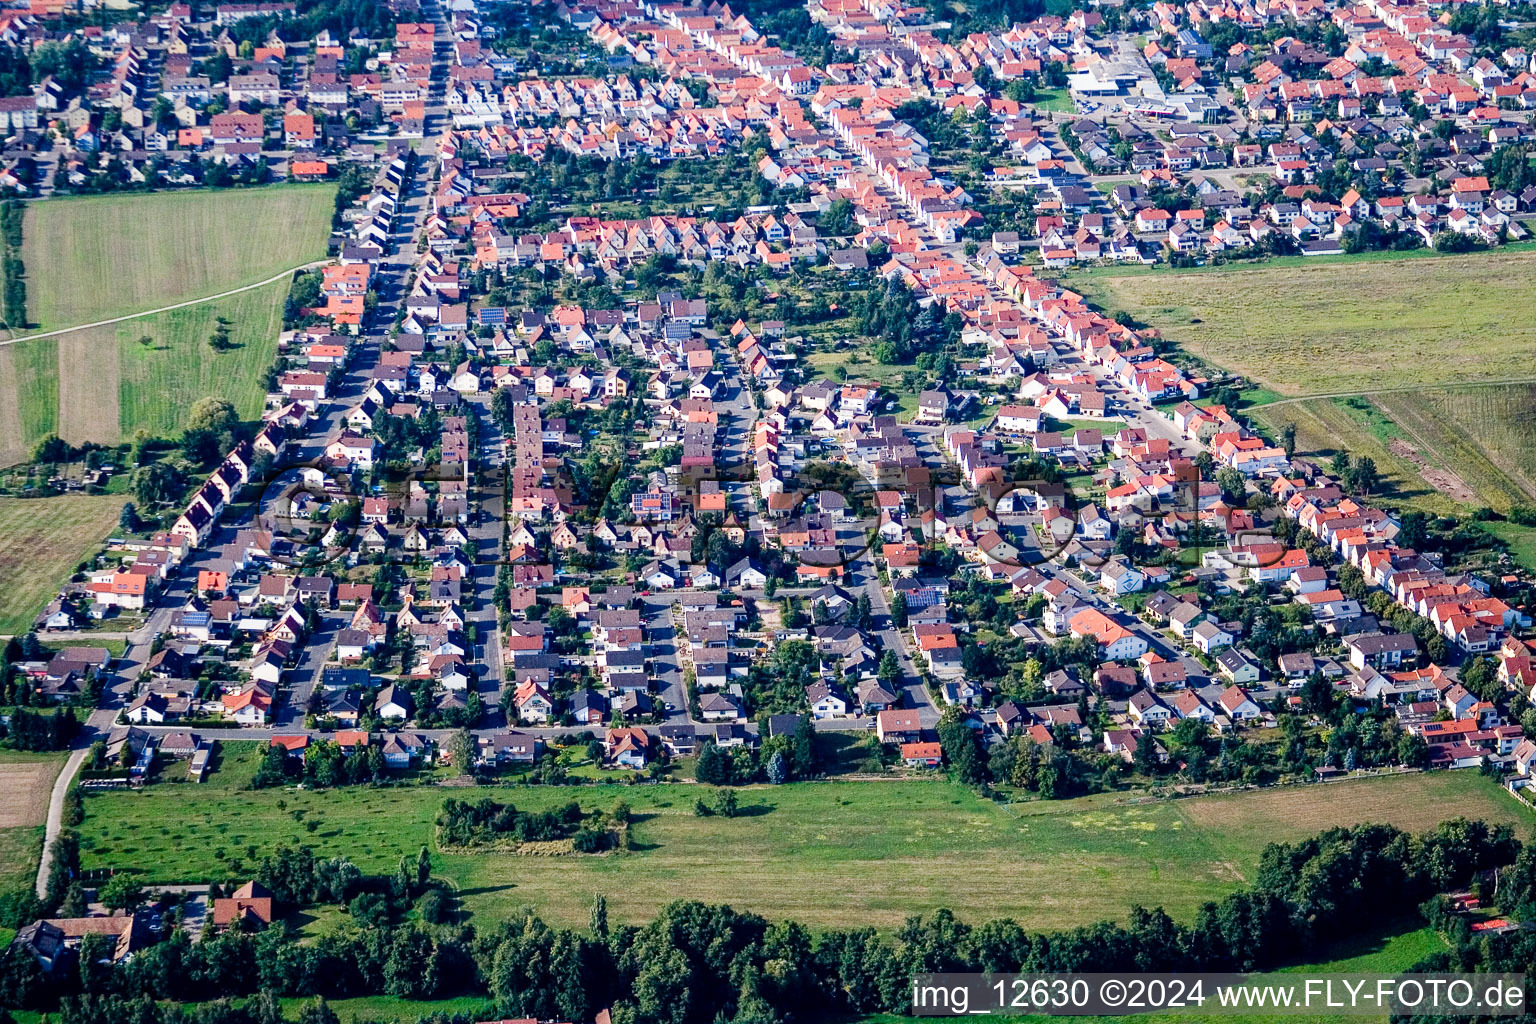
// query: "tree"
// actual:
[[803, 748], [1288, 440], [863, 617], [899, 611], [1413, 530], [318, 1012], [838, 220], [960, 748], [423, 868], [461, 750], [725, 803], [128, 519], [714, 767], [52, 448], [778, 769], [212, 414], [1234, 486], [121, 892], [599, 918], [1362, 477], [157, 483], [889, 672]]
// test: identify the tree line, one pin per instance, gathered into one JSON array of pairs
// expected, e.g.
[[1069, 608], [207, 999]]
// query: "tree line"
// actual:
[[15, 294], [698, 964]]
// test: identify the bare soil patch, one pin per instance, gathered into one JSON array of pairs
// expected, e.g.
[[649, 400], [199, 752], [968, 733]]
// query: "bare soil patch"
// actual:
[[1442, 480], [89, 369], [24, 790], [13, 448]]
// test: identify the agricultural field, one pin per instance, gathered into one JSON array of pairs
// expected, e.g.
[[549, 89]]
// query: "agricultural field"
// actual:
[[29, 399], [164, 248], [829, 854], [106, 384], [25, 783], [100, 383], [1437, 448], [1344, 326], [41, 542]]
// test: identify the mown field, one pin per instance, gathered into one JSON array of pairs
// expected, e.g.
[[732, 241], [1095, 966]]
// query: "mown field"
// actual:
[[41, 542], [1348, 326], [98, 257], [105, 385], [828, 854], [25, 782], [29, 397]]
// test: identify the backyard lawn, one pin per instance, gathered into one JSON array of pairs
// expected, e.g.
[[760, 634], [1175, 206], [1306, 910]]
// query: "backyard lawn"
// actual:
[[828, 854]]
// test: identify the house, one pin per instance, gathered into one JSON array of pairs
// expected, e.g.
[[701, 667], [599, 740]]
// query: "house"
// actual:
[[1237, 666], [1381, 650], [628, 747], [1209, 638], [825, 700], [1116, 643], [1146, 710], [402, 749], [248, 907], [248, 706], [532, 702], [393, 703], [875, 698], [745, 575], [1239, 707], [898, 726], [1118, 577], [53, 942], [715, 707], [922, 755]]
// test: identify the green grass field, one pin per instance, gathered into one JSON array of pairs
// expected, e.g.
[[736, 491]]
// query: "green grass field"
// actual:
[[1054, 99], [41, 542], [1348, 326], [98, 257], [828, 854]]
